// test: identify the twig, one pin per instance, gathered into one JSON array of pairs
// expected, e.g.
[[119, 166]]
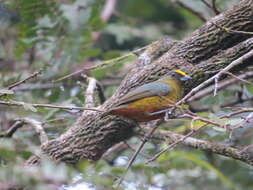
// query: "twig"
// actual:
[[230, 66], [48, 106], [102, 64], [239, 78], [215, 77], [38, 128], [18, 124], [203, 145], [134, 149], [221, 85], [224, 105], [96, 66], [89, 100], [100, 91], [246, 120], [106, 14], [33, 75], [53, 120], [108, 9], [30, 86], [119, 146], [243, 110], [173, 145], [146, 138], [206, 3], [196, 117], [199, 15], [214, 7], [21, 122]]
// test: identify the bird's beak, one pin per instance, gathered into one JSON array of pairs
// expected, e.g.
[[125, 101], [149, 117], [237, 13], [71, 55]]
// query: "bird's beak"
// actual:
[[185, 78]]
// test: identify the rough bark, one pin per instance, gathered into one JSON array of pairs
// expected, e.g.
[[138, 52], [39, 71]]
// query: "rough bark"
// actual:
[[209, 48]]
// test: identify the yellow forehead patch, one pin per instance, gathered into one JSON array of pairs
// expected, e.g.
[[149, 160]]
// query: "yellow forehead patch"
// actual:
[[180, 72]]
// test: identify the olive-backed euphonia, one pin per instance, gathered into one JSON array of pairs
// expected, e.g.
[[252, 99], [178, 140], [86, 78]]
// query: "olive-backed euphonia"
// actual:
[[147, 102]]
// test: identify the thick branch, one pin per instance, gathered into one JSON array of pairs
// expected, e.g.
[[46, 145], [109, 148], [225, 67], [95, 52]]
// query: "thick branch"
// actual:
[[216, 148], [208, 49]]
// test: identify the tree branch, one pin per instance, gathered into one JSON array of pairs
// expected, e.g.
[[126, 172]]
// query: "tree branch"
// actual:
[[203, 145], [208, 50]]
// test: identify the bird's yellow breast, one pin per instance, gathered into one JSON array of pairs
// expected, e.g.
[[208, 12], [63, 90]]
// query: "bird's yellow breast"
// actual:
[[156, 103]]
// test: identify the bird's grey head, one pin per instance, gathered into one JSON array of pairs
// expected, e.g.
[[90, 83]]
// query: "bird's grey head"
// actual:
[[180, 75]]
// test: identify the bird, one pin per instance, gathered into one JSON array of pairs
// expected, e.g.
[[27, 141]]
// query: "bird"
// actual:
[[151, 101]]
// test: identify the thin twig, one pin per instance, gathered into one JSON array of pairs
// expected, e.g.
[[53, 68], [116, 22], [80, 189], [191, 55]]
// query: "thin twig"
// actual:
[[18, 124], [106, 14], [245, 121], [21, 122], [117, 147], [221, 85], [215, 77], [53, 120], [206, 3], [230, 66], [31, 86], [173, 145], [48, 106], [89, 94], [33, 75], [243, 110], [134, 149], [214, 7], [131, 161], [207, 121], [194, 12], [100, 91], [239, 78], [204, 145], [38, 128], [96, 66]]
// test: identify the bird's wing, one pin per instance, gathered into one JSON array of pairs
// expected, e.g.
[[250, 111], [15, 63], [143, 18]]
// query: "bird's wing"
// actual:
[[151, 89]]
